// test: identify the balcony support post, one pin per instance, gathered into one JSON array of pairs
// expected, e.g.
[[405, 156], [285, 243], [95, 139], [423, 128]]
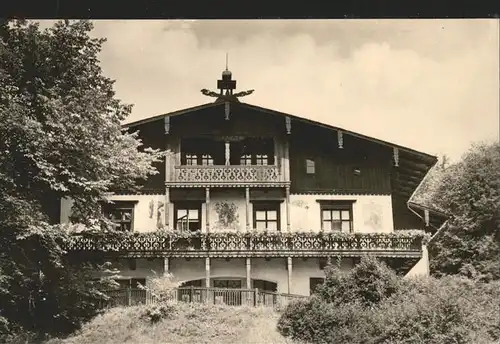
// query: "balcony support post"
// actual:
[[289, 268], [247, 207], [228, 153], [207, 272], [207, 209], [166, 266], [287, 207], [249, 267], [167, 208]]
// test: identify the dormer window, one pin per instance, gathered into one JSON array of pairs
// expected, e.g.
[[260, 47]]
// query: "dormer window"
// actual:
[[121, 213]]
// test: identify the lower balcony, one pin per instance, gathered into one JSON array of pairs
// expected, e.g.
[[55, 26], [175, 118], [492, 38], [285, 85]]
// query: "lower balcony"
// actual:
[[407, 244]]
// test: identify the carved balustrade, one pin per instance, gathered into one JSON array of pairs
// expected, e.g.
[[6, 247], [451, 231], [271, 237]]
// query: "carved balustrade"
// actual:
[[231, 174], [252, 244]]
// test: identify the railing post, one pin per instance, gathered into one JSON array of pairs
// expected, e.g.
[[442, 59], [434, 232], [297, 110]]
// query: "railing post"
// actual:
[[255, 296], [191, 292], [129, 297]]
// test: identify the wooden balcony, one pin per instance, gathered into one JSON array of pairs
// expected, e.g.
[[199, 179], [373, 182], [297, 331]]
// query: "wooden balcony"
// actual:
[[407, 244], [227, 175]]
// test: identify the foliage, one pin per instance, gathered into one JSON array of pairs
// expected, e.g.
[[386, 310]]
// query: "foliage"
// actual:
[[187, 323], [158, 312], [469, 191], [371, 305], [369, 282], [61, 132], [161, 287]]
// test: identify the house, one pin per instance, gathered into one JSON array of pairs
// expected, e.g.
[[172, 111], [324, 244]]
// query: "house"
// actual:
[[249, 197]]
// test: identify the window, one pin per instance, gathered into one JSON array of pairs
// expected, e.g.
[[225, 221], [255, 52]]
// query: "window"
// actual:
[[206, 160], [191, 159], [193, 283], [187, 216], [121, 213], [336, 216], [261, 159], [201, 151], [314, 282], [246, 160], [266, 216], [253, 151], [265, 285], [310, 166]]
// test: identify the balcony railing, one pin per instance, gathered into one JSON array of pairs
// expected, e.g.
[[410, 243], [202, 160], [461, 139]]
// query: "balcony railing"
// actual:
[[230, 174], [231, 297], [251, 244]]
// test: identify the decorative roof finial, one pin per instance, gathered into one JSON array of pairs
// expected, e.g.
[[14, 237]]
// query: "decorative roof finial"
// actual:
[[226, 86]]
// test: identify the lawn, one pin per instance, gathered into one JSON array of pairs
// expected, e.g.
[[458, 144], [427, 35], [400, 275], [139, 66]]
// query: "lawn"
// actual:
[[185, 324]]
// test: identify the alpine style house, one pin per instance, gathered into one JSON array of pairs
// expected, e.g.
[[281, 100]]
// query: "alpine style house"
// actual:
[[249, 197]]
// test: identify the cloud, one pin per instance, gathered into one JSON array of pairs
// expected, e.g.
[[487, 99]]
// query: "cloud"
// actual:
[[430, 85]]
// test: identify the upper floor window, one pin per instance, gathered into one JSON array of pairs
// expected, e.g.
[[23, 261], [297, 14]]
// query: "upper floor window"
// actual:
[[253, 151], [121, 213], [310, 166], [266, 216], [207, 160], [191, 159], [246, 159], [201, 151], [261, 159], [187, 216], [336, 216]]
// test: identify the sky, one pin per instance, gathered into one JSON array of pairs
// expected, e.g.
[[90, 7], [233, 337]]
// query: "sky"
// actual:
[[431, 85]]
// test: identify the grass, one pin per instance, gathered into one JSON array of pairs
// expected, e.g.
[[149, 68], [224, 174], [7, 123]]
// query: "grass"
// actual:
[[188, 323]]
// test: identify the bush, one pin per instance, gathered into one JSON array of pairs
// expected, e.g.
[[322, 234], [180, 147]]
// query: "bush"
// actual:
[[316, 321], [450, 310], [159, 312], [369, 282], [371, 305]]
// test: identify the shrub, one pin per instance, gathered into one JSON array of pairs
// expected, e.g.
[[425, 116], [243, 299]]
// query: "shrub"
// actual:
[[161, 287], [316, 321], [450, 310], [369, 282], [159, 312], [370, 304]]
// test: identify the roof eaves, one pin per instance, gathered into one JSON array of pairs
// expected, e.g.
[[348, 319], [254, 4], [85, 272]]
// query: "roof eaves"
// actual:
[[173, 113], [430, 158]]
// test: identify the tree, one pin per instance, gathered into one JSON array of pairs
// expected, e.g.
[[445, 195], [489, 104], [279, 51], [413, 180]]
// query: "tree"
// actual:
[[60, 125], [469, 191]]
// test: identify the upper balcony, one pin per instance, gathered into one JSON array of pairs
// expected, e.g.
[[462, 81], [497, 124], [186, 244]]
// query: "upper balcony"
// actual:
[[228, 161], [228, 175]]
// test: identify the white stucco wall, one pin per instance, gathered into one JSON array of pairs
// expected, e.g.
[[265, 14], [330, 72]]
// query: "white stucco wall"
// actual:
[[371, 214], [147, 210], [421, 269]]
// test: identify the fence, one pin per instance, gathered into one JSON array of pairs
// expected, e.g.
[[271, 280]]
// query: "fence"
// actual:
[[231, 297]]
